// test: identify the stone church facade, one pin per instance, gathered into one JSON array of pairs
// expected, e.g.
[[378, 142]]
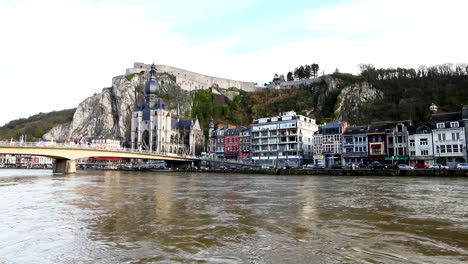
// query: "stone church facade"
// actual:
[[153, 128]]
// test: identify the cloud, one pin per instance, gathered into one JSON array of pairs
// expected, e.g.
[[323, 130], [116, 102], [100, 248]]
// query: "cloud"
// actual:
[[56, 53]]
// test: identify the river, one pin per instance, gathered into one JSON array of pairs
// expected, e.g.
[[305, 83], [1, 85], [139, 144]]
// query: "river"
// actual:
[[144, 217]]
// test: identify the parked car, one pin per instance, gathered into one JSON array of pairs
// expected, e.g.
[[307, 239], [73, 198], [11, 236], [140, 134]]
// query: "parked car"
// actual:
[[405, 167], [380, 166], [336, 167], [438, 167], [223, 168], [462, 166], [318, 167], [421, 166], [362, 166]]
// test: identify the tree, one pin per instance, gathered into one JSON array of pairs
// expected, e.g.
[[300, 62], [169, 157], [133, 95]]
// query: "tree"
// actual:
[[308, 72], [301, 72], [290, 77], [314, 68]]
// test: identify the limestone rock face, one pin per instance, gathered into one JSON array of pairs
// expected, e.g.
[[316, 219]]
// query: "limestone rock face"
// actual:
[[108, 114], [353, 102]]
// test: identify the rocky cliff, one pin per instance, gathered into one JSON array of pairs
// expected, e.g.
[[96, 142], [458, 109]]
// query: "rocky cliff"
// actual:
[[108, 114]]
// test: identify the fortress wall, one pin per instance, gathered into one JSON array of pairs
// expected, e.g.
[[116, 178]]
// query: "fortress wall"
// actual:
[[299, 83], [188, 80]]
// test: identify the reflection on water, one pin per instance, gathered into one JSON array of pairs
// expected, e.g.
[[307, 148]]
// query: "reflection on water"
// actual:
[[131, 217]]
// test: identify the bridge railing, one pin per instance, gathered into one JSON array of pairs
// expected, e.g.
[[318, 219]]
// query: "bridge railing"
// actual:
[[90, 147]]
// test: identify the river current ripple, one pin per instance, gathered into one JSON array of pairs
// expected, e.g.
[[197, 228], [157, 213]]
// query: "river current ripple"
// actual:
[[132, 217]]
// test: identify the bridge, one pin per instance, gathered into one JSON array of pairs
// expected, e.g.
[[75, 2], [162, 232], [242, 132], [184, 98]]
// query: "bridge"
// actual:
[[65, 155]]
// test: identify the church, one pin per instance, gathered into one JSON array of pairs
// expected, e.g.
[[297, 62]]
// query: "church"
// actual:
[[153, 128]]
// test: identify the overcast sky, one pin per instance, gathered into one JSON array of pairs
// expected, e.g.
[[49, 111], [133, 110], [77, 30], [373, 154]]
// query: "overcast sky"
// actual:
[[54, 54]]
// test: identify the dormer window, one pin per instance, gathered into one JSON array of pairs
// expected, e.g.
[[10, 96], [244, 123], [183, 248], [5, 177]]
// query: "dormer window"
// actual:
[[440, 125], [453, 124]]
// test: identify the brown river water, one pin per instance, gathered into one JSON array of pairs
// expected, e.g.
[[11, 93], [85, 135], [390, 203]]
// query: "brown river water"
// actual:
[[163, 217]]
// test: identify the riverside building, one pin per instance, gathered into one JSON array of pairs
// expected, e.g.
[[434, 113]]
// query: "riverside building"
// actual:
[[283, 141], [332, 143], [420, 146], [245, 145], [449, 142], [355, 145]]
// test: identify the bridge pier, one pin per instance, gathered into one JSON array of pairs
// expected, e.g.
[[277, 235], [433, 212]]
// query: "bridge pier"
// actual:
[[64, 166]]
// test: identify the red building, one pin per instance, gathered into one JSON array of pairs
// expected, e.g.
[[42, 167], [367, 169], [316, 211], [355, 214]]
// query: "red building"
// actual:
[[376, 138], [231, 144]]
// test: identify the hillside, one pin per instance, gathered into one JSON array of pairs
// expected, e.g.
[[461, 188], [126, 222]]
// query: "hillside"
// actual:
[[373, 95], [35, 126]]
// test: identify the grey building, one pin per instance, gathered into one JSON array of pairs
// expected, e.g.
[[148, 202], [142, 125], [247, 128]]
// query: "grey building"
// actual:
[[355, 149], [245, 144], [332, 142], [397, 141]]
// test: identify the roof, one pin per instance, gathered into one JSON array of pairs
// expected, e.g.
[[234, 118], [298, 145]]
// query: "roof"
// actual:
[[182, 123], [446, 117], [356, 130], [334, 125], [380, 127]]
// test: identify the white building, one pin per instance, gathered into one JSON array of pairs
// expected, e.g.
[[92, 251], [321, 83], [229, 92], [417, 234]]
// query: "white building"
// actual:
[[420, 146], [283, 141], [449, 138], [7, 160], [318, 148]]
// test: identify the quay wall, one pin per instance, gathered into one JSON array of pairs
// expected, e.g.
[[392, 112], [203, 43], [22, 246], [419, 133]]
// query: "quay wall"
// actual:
[[397, 173]]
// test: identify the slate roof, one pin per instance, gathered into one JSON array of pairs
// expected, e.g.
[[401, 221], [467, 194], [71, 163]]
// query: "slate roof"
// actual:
[[356, 130], [446, 117], [182, 124]]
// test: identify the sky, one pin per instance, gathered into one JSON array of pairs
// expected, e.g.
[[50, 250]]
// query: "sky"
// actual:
[[56, 53]]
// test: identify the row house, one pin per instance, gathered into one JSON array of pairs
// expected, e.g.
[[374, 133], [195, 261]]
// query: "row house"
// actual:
[[355, 145], [244, 144], [377, 140], [397, 141], [332, 143], [420, 146], [318, 147], [449, 138], [282, 141], [218, 134], [7, 160], [231, 143]]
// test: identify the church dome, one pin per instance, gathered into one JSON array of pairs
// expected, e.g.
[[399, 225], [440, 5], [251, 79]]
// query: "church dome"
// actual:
[[152, 86]]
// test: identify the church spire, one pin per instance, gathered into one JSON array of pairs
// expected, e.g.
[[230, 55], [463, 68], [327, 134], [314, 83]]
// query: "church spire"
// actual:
[[153, 72]]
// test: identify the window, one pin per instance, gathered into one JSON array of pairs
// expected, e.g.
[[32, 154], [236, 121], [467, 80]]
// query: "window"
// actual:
[[400, 128], [412, 153], [423, 142], [442, 149], [440, 125], [449, 148], [456, 136], [453, 124], [455, 148], [390, 140], [400, 139], [424, 152], [411, 143]]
